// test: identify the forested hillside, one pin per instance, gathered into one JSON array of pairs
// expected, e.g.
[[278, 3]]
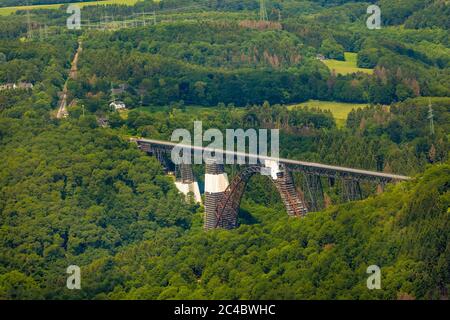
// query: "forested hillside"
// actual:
[[224, 61], [11, 3], [221, 53], [76, 191], [73, 193]]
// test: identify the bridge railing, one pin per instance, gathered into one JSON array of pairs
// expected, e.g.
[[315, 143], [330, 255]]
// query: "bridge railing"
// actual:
[[292, 165]]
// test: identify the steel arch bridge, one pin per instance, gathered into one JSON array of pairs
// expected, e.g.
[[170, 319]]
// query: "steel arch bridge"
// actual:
[[227, 208], [222, 199]]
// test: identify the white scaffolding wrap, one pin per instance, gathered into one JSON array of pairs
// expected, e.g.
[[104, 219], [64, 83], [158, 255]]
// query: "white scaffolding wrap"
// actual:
[[215, 183], [185, 188], [274, 168]]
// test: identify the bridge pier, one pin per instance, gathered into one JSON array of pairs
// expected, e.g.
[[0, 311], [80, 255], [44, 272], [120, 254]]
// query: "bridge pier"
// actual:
[[284, 183], [216, 182], [185, 182], [380, 187], [222, 199], [351, 190], [159, 153], [313, 192], [294, 204]]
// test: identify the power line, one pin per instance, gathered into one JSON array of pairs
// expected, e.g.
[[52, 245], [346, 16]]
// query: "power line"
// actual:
[[431, 117], [30, 32], [262, 11], [108, 23]]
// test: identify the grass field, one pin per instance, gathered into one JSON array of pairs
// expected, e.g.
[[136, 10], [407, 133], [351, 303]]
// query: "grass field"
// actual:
[[340, 110], [9, 10], [193, 111], [347, 66]]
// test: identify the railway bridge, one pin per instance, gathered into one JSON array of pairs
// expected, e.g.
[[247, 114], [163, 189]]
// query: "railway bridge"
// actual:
[[222, 198]]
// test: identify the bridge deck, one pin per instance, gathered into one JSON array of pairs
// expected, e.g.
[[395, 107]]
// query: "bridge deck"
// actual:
[[324, 169]]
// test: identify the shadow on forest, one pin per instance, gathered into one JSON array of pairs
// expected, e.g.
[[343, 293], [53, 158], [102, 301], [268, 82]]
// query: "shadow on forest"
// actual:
[[246, 218]]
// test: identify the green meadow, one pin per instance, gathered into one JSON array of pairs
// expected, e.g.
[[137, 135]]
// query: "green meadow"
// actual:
[[340, 110], [348, 66], [10, 10]]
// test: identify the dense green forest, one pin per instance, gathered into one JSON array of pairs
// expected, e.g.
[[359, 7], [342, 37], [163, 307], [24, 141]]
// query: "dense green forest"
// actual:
[[222, 56], [12, 3], [224, 61], [73, 193], [76, 191]]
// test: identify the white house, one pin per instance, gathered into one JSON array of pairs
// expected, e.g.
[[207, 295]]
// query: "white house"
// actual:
[[321, 57], [13, 86], [24, 85], [117, 105]]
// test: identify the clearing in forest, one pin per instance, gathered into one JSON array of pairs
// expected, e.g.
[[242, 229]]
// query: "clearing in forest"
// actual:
[[346, 67], [340, 110]]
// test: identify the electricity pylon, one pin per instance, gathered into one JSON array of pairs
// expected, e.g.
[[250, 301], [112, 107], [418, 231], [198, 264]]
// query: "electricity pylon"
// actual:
[[431, 117], [113, 96], [30, 32], [262, 11]]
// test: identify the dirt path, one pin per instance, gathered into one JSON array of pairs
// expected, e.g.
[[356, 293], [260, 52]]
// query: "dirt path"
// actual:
[[62, 104], [74, 69]]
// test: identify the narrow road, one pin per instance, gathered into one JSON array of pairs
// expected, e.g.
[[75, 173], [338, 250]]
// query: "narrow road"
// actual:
[[62, 104]]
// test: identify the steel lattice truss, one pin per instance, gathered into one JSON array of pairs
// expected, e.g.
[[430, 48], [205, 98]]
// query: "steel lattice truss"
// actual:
[[228, 205], [318, 169], [310, 198]]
